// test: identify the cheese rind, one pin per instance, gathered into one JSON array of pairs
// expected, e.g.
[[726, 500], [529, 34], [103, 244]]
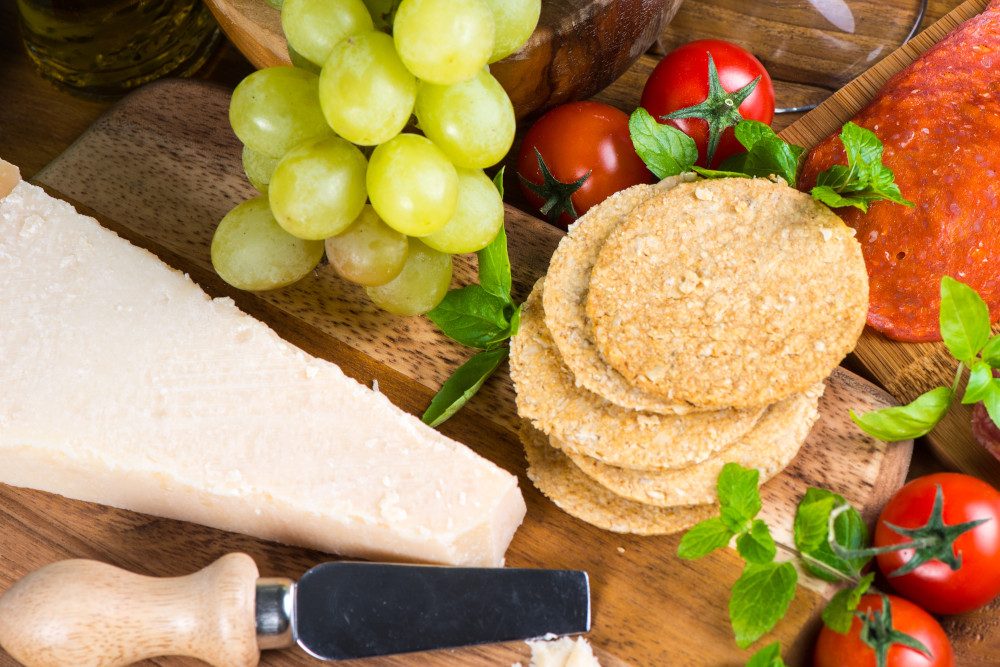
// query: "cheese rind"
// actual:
[[125, 384]]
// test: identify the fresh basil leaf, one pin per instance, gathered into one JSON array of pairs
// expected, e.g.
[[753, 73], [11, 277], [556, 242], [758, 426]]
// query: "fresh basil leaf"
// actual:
[[760, 597], [472, 316], [991, 352], [666, 150], [703, 538], [981, 383], [992, 404], [813, 519], [494, 267], [463, 385], [812, 522], [739, 497], [965, 320], [498, 180], [769, 656], [756, 545], [839, 611], [515, 321], [907, 421]]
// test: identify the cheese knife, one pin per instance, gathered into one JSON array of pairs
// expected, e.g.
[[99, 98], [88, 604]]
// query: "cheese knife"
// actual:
[[91, 614]]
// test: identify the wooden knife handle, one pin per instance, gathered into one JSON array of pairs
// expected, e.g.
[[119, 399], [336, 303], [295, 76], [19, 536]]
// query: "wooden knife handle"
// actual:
[[89, 614]]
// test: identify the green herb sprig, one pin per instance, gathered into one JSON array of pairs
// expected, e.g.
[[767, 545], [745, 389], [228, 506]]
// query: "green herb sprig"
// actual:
[[482, 317], [830, 540], [965, 328], [667, 152]]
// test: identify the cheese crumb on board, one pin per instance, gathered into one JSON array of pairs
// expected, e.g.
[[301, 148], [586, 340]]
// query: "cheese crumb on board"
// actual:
[[564, 652], [125, 384]]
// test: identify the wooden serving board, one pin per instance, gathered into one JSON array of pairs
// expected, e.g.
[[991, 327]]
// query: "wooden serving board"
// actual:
[[162, 167], [906, 370]]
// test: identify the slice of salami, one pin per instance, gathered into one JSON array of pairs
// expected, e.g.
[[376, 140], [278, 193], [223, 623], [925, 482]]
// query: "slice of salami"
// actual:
[[939, 120]]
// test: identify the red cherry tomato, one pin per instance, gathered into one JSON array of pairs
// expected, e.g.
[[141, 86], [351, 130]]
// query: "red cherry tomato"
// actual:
[[680, 80], [934, 585], [836, 650], [577, 138]]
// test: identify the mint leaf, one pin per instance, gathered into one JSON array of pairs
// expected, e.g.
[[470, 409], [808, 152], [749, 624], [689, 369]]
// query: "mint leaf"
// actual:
[[463, 385], [907, 421], [992, 404], [666, 150], [812, 521], [862, 147], [715, 173], [703, 538], [981, 383], [769, 656], [864, 180], [767, 154], [494, 267], [965, 320], [812, 535], [991, 352], [839, 611], [472, 316], [760, 598], [757, 545], [739, 497]]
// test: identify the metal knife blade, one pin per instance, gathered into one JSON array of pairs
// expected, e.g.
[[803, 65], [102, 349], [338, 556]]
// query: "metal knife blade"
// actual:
[[346, 610]]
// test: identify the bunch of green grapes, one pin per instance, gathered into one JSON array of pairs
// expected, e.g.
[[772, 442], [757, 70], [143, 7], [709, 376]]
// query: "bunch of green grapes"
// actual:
[[371, 149]]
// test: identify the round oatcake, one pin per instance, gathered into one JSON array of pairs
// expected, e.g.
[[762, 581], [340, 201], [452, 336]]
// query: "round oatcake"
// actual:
[[587, 424], [729, 292], [578, 495], [769, 447], [568, 280]]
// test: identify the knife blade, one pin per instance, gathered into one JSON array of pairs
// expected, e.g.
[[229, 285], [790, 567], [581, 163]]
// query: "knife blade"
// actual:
[[86, 613]]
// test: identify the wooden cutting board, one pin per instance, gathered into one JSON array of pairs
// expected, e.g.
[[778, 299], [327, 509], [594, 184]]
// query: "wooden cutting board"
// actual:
[[906, 370], [162, 167]]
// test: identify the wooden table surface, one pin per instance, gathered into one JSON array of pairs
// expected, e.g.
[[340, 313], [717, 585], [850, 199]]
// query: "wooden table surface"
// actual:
[[38, 122]]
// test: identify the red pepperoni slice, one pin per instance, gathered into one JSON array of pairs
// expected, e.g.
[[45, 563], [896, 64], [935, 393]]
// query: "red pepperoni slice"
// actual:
[[939, 120]]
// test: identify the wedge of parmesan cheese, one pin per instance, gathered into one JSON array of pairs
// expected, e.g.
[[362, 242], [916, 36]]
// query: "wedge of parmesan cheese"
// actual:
[[123, 383]]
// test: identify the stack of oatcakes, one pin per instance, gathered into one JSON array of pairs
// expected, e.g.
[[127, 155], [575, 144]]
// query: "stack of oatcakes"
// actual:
[[682, 326]]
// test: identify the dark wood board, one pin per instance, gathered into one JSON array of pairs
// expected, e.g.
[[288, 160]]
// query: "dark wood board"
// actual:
[[162, 167]]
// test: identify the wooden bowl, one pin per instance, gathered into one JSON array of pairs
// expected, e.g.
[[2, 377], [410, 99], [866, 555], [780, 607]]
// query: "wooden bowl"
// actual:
[[578, 48]]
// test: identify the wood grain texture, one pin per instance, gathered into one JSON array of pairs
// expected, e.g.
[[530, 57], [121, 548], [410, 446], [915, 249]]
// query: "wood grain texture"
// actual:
[[162, 167], [578, 48], [905, 369], [79, 611]]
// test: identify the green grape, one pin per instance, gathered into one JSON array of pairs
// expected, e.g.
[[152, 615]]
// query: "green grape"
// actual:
[[471, 121], [412, 184], [420, 286], [275, 109], [251, 251], [299, 60], [258, 168], [369, 252], [477, 219], [514, 20], [313, 27], [443, 41], [318, 188], [365, 91], [382, 12]]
